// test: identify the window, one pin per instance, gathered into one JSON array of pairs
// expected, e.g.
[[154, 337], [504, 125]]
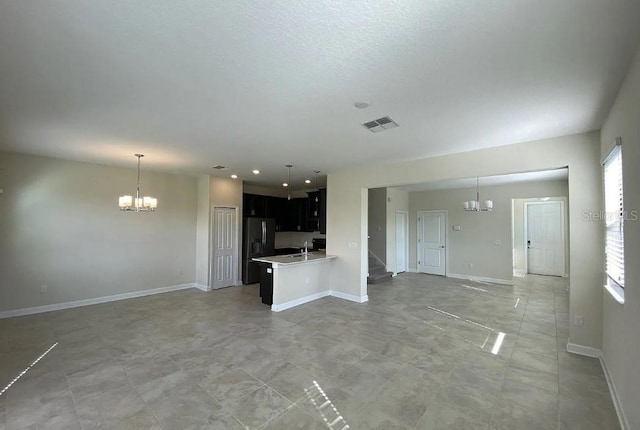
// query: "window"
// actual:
[[614, 217]]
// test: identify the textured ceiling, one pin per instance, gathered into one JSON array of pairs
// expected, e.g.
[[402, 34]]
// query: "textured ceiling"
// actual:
[[251, 84]]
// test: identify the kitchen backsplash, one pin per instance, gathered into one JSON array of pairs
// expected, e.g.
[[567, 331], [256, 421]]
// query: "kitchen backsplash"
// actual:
[[295, 239]]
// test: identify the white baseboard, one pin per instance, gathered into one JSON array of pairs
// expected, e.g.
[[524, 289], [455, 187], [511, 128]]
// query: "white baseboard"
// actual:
[[587, 351], [624, 424], [93, 301], [204, 288], [300, 301], [480, 279], [350, 297]]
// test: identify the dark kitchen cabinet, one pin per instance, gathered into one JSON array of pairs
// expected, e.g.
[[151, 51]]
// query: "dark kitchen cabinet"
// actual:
[[254, 205], [266, 283], [297, 214], [322, 221]]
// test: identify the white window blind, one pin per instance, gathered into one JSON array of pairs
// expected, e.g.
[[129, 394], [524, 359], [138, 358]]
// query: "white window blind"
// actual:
[[614, 219]]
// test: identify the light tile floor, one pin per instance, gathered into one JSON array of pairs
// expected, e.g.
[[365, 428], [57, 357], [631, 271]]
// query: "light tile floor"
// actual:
[[421, 354]]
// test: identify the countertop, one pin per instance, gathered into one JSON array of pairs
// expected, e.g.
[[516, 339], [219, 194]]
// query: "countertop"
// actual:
[[294, 259]]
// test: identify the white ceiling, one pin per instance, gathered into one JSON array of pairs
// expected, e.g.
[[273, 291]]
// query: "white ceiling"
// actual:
[[253, 84], [452, 184]]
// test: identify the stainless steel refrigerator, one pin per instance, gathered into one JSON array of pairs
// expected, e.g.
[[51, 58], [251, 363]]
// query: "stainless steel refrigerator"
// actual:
[[258, 240]]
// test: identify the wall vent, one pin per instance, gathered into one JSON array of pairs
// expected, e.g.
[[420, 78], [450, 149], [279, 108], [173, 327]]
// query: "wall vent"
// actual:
[[380, 124], [219, 167]]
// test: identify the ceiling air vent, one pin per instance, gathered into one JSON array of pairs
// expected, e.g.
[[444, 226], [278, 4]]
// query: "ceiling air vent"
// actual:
[[380, 124], [219, 167]]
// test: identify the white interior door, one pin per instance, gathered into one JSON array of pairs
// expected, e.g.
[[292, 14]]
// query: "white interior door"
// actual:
[[225, 247], [545, 238], [402, 243], [432, 227]]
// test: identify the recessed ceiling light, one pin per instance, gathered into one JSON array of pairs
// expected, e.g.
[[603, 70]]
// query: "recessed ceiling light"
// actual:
[[361, 105], [234, 176], [284, 184], [256, 171], [307, 181]]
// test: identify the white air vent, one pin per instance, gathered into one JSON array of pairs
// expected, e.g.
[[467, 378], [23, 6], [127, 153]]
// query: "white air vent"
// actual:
[[219, 167], [380, 124]]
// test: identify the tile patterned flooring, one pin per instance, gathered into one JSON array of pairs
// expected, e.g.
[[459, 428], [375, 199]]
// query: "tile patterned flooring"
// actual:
[[421, 354]]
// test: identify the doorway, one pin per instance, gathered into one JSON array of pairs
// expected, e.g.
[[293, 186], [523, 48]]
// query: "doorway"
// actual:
[[432, 242], [544, 236], [402, 241], [224, 266]]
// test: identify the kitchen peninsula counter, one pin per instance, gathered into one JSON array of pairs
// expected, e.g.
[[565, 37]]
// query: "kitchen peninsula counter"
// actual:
[[296, 279]]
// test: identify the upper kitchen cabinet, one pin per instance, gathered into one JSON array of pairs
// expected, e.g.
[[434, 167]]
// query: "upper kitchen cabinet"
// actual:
[[322, 221], [297, 214], [254, 205]]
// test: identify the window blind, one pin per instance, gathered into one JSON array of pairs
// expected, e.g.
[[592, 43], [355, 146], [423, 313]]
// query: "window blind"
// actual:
[[614, 219]]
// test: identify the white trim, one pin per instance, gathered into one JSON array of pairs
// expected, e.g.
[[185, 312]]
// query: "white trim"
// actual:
[[300, 301], [316, 296], [622, 418], [616, 292], [93, 301], [587, 351], [204, 288], [350, 297], [481, 279]]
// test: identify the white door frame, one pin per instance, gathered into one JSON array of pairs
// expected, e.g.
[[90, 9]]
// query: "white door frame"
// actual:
[[446, 238], [526, 232], [406, 241], [212, 248]]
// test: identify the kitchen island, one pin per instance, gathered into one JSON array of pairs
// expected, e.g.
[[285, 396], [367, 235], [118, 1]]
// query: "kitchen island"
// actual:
[[295, 279]]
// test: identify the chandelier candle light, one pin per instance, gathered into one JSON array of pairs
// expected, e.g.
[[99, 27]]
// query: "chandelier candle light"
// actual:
[[474, 205], [144, 204]]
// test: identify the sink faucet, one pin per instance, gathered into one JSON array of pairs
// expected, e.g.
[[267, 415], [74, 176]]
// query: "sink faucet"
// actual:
[[306, 250]]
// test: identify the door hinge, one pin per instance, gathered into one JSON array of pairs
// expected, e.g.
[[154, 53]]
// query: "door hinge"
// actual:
[[419, 262]]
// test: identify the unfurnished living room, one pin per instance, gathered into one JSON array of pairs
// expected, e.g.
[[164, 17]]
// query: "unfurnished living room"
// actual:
[[319, 215]]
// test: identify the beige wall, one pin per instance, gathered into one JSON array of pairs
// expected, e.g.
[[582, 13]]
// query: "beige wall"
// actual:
[[203, 238], [397, 200], [475, 243], [347, 212], [60, 226], [377, 213], [621, 345]]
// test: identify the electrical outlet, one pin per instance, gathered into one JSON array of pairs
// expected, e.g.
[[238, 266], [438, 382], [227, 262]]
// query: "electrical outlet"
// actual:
[[353, 244], [578, 321], [43, 288], [498, 242]]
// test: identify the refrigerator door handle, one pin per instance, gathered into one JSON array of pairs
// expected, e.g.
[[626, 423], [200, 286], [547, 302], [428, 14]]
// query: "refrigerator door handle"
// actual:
[[264, 236]]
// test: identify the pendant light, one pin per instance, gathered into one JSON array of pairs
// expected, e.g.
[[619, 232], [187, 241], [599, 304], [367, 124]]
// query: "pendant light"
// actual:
[[474, 205], [316, 183], [287, 184], [144, 204]]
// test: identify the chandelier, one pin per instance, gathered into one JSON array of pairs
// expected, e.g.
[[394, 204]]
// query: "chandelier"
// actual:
[[144, 204], [474, 205]]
